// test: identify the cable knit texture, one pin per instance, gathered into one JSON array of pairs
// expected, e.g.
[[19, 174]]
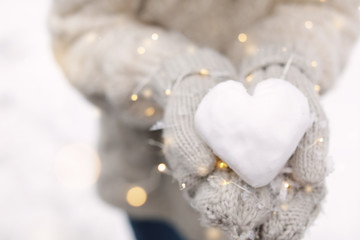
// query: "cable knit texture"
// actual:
[[139, 62]]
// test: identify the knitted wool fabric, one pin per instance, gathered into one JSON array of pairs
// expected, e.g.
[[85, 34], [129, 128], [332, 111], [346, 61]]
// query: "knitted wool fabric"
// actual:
[[111, 49]]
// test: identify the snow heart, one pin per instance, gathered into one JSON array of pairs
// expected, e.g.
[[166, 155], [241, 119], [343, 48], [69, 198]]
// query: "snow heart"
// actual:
[[254, 134]]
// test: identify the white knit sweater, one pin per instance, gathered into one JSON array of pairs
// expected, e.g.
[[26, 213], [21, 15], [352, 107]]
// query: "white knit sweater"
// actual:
[[110, 49]]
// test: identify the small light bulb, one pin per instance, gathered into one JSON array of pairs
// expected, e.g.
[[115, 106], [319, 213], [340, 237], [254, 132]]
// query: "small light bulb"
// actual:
[[168, 92], [308, 24], [155, 36], [317, 87], [284, 49], [141, 50], [162, 167], [204, 72], [222, 165], [147, 93], [182, 186], [213, 233], [134, 97], [150, 111], [249, 78], [314, 64], [320, 140], [242, 37], [284, 206], [308, 188], [225, 182], [322, 1], [286, 185], [136, 196]]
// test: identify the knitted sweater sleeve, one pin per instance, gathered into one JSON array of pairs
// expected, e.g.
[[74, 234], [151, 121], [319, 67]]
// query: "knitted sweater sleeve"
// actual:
[[108, 54], [318, 33]]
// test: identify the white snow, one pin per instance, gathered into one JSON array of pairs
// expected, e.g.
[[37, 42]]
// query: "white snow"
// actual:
[[267, 125], [40, 114]]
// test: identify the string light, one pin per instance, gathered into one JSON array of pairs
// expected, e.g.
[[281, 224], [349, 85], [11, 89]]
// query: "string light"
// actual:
[[147, 93], [251, 49], [317, 87], [155, 36], [204, 72], [203, 171], [242, 37], [249, 78], [322, 1], [150, 111], [212, 234], [134, 97], [286, 185], [224, 182], [308, 188], [284, 49], [220, 164], [314, 64], [136, 196], [141, 50], [91, 37], [320, 140], [308, 24], [284, 206], [182, 186], [168, 92], [162, 167]]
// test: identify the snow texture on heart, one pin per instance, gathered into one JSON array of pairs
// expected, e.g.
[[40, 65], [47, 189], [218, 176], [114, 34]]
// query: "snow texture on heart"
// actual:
[[254, 134]]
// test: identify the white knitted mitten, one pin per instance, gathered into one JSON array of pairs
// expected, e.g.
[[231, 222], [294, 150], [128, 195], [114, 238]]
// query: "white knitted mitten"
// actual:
[[223, 199]]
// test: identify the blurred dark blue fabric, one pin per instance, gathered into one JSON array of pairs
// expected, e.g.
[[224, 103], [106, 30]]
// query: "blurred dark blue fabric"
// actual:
[[154, 230]]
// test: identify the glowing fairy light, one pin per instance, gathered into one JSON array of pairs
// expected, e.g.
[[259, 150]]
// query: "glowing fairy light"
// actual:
[[134, 97], [249, 78], [141, 50], [162, 167], [154, 36], [204, 72], [168, 92], [314, 64], [242, 37], [149, 112], [308, 188], [136, 196], [308, 25]]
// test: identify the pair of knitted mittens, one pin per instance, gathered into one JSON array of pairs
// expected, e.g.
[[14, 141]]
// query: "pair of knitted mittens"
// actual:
[[282, 209]]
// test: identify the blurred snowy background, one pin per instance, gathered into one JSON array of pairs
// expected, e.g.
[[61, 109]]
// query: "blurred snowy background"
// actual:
[[45, 125]]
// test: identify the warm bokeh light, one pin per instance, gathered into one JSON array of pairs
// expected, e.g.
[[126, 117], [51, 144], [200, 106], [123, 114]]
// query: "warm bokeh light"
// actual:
[[77, 166], [162, 167], [212, 233], [149, 112], [242, 37], [136, 196], [134, 97], [308, 24], [155, 36], [141, 50]]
